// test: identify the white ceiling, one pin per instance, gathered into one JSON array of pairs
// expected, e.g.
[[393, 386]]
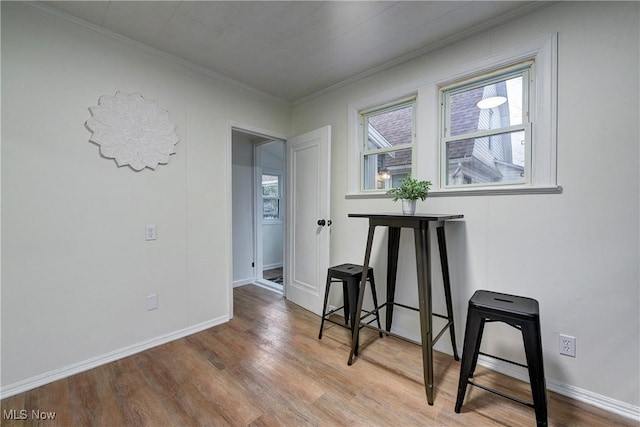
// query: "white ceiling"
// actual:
[[294, 49]]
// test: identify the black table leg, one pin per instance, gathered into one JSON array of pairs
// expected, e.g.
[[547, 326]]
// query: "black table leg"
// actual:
[[444, 263], [393, 246], [363, 282], [423, 261]]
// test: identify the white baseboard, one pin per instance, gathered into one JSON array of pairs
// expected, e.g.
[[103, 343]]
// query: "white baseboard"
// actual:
[[94, 362], [271, 266], [602, 402], [269, 286], [243, 282]]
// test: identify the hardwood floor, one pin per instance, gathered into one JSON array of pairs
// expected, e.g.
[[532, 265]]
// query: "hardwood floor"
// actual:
[[267, 367]]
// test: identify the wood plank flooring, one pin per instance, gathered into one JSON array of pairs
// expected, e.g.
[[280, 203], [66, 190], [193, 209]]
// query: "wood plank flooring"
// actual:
[[267, 367]]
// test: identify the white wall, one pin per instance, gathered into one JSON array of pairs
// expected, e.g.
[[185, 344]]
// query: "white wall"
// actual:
[[575, 252], [75, 267], [243, 209], [272, 245]]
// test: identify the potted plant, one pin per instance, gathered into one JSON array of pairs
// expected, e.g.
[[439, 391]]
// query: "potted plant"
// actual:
[[409, 191]]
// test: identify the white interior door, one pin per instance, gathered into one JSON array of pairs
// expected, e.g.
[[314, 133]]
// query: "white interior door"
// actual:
[[308, 191]]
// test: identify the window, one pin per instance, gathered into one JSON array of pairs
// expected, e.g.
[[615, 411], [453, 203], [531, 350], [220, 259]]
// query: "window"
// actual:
[[271, 197], [463, 148], [387, 144], [486, 129]]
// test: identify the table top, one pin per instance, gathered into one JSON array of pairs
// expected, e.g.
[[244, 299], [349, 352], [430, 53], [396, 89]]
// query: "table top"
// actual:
[[401, 216]]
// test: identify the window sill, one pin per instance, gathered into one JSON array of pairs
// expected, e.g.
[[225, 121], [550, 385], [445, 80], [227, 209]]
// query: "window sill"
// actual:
[[503, 191]]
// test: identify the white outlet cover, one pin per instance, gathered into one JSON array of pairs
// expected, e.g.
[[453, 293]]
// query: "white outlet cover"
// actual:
[[150, 232], [567, 345], [152, 302]]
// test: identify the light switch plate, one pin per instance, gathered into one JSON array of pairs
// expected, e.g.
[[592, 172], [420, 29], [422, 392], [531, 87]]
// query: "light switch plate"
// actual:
[[150, 232]]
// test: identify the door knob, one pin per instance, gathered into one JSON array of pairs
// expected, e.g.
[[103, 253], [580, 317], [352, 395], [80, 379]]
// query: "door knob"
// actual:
[[321, 222]]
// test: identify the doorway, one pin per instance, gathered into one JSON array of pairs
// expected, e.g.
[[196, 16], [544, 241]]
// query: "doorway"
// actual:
[[270, 213], [258, 209], [304, 203]]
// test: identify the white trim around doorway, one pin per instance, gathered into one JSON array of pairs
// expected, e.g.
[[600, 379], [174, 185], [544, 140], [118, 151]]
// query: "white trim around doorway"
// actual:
[[250, 129]]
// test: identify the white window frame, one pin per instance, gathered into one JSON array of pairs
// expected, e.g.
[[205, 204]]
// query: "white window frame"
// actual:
[[388, 100], [427, 152], [389, 149], [542, 145], [278, 174], [524, 70]]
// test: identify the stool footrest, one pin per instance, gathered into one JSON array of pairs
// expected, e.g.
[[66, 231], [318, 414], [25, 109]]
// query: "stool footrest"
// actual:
[[409, 340], [337, 323], [397, 304], [329, 313], [366, 314], [501, 394], [504, 360], [389, 334], [445, 329]]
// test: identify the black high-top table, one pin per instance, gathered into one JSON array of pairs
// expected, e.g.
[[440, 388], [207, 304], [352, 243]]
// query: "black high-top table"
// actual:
[[420, 223]]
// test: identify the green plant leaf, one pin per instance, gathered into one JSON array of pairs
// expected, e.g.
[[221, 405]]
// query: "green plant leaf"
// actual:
[[410, 189]]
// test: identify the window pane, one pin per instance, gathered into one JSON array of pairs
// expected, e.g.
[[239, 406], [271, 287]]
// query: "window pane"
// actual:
[[497, 158], [270, 186], [492, 106], [381, 171], [390, 128], [270, 208]]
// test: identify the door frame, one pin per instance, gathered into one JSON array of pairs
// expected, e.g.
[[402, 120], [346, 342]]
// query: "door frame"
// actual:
[[249, 129]]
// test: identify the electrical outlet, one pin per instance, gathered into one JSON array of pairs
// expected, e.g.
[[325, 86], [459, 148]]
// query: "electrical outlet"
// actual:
[[567, 345], [152, 302], [150, 232]]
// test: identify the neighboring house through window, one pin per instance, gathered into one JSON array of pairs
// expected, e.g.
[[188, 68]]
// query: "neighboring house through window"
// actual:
[[485, 135], [387, 139]]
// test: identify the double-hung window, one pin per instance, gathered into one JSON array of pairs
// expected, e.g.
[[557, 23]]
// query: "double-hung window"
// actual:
[[487, 126], [271, 197], [387, 137], [485, 131]]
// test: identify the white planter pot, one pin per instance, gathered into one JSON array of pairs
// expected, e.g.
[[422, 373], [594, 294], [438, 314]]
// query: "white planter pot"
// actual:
[[408, 207]]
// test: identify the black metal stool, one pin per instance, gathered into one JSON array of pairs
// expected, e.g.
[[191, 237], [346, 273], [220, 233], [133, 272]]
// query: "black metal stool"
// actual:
[[350, 276], [521, 313]]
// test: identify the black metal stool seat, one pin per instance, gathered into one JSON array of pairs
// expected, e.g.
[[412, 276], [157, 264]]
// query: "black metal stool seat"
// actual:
[[521, 313], [350, 275]]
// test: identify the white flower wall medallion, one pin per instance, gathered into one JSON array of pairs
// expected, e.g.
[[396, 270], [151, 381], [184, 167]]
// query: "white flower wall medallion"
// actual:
[[132, 130]]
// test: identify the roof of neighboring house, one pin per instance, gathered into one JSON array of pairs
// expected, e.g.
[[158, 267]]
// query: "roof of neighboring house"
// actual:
[[465, 119], [460, 149], [396, 128]]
